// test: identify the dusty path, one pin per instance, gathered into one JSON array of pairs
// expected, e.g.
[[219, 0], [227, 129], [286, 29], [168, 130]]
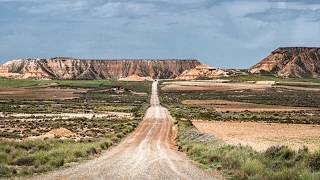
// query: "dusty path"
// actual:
[[145, 154]]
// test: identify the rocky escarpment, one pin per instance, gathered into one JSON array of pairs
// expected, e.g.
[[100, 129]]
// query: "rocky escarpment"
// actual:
[[69, 68], [202, 72], [291, 62]]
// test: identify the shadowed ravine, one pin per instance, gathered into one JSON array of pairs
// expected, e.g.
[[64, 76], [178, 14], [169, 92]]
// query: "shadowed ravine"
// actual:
[[146, 154]]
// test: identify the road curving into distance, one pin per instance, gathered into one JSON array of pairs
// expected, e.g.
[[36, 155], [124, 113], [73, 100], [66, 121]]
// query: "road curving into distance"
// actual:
[[147, 153]]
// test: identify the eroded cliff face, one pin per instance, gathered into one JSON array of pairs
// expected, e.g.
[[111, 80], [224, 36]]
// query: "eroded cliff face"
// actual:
[[69, 68], [202, 72], [291, 62]]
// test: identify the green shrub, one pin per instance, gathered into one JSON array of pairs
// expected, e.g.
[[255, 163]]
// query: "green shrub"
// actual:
[[3, 157], [314, 161], [6, 171], [282, 152], [24, 161], [78, 154], [57, 162], [92, 151], [252, 166]]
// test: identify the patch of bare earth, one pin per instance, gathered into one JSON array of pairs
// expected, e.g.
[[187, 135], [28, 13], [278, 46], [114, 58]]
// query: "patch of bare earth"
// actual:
[[233, 106], [299, 88], [39, 93], [212, 86], [260, 136], [55, 133], [136, 78], [301, 83]]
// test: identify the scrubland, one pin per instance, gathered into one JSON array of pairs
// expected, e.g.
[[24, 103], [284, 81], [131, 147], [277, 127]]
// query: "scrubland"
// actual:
[[64, 122], [219, 129]]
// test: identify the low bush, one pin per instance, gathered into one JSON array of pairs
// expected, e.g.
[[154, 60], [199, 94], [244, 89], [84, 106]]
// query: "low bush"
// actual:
[[314, 161], [24, 161]]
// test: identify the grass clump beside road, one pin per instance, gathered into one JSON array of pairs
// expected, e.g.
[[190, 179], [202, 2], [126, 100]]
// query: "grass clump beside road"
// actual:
[[28, 157], [242, 162]]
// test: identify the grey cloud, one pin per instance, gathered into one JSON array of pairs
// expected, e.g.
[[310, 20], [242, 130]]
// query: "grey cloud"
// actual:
[[121, 9], [277, 15]]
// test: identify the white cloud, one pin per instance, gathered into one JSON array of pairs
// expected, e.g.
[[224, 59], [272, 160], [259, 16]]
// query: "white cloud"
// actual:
[[54, 7], [123, 9]]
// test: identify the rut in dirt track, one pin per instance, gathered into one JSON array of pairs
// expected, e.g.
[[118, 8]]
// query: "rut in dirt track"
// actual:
[[145, 154]]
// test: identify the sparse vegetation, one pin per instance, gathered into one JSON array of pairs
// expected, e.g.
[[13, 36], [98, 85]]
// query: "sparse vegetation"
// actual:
[[5, 82], [19, 156], [252, 77], [243, 162], [272, 96]]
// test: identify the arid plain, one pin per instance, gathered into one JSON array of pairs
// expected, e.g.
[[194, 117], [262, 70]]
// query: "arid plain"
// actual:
[[53, 124], [67, 118]]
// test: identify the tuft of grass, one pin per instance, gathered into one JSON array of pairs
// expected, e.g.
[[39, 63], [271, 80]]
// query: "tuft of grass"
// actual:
[[314, 161], [25, 158]]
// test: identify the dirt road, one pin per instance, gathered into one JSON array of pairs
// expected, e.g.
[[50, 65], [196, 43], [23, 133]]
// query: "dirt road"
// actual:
[[146, 154]]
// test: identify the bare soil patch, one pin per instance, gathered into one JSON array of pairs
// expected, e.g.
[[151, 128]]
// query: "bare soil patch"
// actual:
[[260, 136], [300, 83], [40, 93], [55, 133], [300, 88], [136, 78], [234, 106], [211, 86]]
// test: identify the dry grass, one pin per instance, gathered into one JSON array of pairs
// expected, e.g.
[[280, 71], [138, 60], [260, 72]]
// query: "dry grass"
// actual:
[[261, 136], [211, 86], [233, 106], [39, 93]]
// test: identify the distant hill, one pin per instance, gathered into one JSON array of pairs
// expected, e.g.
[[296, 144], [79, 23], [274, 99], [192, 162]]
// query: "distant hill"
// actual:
[[70, 68], [290, 62]]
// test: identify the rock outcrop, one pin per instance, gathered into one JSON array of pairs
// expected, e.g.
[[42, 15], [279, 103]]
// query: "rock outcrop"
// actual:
[[290, 62], [202, 71], [69, 68]]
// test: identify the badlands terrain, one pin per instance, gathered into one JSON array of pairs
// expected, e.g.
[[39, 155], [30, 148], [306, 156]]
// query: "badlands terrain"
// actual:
[[65, 118]]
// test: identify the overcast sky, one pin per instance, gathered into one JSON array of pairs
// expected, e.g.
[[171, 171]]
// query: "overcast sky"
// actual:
[[222, 33]]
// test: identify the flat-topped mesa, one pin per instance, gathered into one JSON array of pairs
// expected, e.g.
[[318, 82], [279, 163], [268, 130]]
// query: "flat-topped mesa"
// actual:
[[71, 68], [290, 62], [202, 71]]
